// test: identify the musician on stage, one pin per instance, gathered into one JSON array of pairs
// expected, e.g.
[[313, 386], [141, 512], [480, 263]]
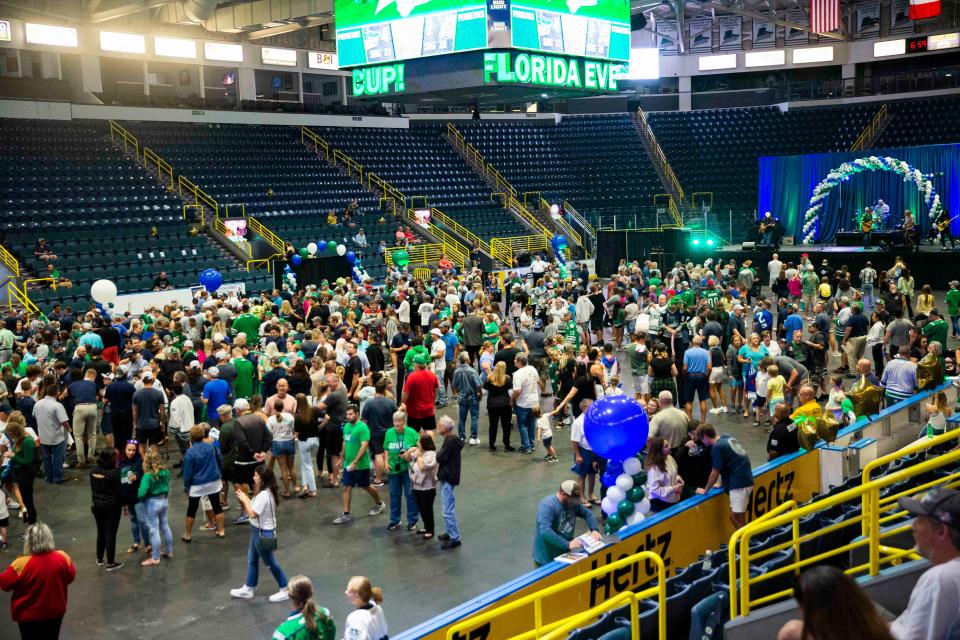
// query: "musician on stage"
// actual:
[[942, 221], [768, 231], [909, 227], [867, 220], [881, 213]]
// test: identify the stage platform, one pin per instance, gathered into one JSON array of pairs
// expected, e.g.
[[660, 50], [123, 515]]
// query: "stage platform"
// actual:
[[929, 264]]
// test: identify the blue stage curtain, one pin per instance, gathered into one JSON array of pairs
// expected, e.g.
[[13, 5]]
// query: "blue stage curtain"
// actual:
[[787, 182]]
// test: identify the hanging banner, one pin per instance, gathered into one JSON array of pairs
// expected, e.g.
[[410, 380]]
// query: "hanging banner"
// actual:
[[765, 34], [900, 21], [669, 41], [701, 34], [868, 20], [730, 35], [797, 36]]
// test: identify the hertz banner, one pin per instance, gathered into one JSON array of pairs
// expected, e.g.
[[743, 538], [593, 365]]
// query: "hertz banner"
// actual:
[[679, 540]]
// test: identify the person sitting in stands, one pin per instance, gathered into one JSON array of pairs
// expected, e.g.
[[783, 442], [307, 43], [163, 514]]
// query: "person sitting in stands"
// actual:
[[401, 237], [361, 239], [161, 282], [408, 235], [331, 217], [58, 279], [444, 263], [43, 251]]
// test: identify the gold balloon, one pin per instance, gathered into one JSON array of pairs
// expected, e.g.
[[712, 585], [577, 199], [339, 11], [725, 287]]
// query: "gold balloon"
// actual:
[[865, 397], [929, 372], [827, 427], [807, 432]]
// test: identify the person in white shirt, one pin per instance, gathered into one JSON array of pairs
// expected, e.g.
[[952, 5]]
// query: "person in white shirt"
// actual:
[[181, 418], [538, 266], [366, 621], [773, 269], [585, 462], [361, 239], [438, 361], [527, 386], [425, 310], [403, 310]]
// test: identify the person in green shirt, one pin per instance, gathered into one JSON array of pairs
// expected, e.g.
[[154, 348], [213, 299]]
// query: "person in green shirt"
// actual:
[[20, 455], [243, 384], [491, 331], [308, 621], [249, 325], [953, 306], [810, 283], [570, 330], [936, 329], [355, 458], [711, 295], [395, 442], [154, 487]]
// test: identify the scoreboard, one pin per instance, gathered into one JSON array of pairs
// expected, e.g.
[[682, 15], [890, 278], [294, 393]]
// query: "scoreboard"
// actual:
[[600, 29]]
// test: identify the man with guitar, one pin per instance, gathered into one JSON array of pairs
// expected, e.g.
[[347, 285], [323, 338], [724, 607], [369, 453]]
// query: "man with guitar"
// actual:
[[942, 222], [768, 230], [909, 228], [867, 221]]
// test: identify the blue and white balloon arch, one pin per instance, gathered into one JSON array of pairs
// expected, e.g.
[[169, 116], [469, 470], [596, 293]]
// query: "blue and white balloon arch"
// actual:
[[811, 219]]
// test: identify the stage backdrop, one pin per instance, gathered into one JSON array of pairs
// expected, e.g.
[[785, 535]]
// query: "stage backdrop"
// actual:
[[787, 182]]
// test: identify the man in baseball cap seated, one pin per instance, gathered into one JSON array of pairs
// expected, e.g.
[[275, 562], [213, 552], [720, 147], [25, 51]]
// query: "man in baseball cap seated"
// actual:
[[934, 607], [556, 523]]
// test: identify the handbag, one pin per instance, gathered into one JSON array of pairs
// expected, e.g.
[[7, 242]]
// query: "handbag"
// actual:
[[268, 537]]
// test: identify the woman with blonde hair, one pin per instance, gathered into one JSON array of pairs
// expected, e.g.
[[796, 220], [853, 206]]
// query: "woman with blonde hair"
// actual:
[[717, 376], [498, 387], [664, 486], [367, 621], [308, 621], [938, 410], [154, 487]]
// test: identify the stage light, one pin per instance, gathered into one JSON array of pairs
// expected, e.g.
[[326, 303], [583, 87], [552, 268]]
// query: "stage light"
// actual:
[[710, 242], [696, 242]]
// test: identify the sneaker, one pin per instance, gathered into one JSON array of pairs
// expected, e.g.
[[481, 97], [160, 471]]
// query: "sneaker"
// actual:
[[243, 519], [225, 507], [377, 509], [526, 451], [13, 504], [377, 484], [443, 537], [450, 544], [715, 410], [99, 563], [412, 526], [724, 410], [393, 526], [509, 449], [244, 592], [280, 596], [114, 566], [343, 519], [473, 441], [553, 459]]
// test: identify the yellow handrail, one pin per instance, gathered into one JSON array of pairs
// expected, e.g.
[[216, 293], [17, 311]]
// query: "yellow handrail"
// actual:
[[870, 521], [459, 229], [671, 207], [589, 228], [200, 196], [339, 157], [535, 600], [260, 229], [261, 261], [163, 167], [529, 218], [199, 207], [9, 261], [660, 156], [243, 209], [504, 249], [426, 253], [129, 140], [13, 292], [871, 129], [693, 197], [473, 154], [422, 273], [733, 546], [575, 622], [318, 142]]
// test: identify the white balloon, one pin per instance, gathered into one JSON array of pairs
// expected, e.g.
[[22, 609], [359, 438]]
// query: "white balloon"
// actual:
[[554, 209], [341, 249], [103, 291], [635, 517], [312, 248], [624, 482], [616, 494], [644, 506], [608, 505], [632, 466]]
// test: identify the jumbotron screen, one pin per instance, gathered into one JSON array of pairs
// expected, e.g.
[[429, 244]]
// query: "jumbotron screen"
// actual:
[[589, 28], [378, 31]]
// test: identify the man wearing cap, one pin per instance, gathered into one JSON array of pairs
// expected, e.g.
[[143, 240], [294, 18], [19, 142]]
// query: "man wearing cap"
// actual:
[[149, 412], [936, 328], [932, 612], [736, 326], [216, 392], [467, 386], [855, 330], [556, 523], [419, 391]]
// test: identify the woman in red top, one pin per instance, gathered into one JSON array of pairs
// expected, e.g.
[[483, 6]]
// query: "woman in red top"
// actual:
[[38, 580]]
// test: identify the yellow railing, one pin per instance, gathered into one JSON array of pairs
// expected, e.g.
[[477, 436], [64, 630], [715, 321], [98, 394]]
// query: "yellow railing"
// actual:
[[268, 261], [200, 197], [660, 156], [439, 216], [427, 253], [876, 512], [164, 170], [583, 222], [422, 273], [539, 627], [504, 249], [354, 168], [871, 129], [19, 294], [129, 140], [243, 209], [627, 598], [473, 155], [704, 194], [529, 218], [198, 207], [244, 246], [318, 142], [671, 207], [260, 229], [9, 261]]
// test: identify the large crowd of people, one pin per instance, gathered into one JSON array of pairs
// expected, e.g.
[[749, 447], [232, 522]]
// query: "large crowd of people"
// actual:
[[343, 385]]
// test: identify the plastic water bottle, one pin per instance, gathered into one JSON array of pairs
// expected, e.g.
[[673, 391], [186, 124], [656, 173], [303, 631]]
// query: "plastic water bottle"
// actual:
[[708, 560]]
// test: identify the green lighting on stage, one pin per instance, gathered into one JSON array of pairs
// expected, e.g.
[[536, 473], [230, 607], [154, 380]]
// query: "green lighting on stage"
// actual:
[[710, 242], [696, 242]]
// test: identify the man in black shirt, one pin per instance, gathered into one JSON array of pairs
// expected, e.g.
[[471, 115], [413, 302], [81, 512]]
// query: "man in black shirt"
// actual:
[[508, 354], [448, 459], [596, 318], [398, 350], [855, 336], [353, 372], [161, 283], [783, 438]]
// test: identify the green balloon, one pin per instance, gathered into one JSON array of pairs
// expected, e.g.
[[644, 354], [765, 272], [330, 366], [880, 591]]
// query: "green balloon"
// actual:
[[401, 258], [615, 521], [606, 528], [624, 508], [640, 479], [635, 494], [304, 253]]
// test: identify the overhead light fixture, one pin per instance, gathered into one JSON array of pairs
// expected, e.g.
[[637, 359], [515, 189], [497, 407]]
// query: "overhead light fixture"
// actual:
[[765, 58], [122, 42], [51, 35], [175, 47], [889, 48], [223, 51], [813, 54]]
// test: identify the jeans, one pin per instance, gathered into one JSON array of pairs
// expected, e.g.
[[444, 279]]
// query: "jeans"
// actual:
[[441, 393], [156, 511], [138, 522], [525, 425], [53, 458], [473, 407], [868, 299], [400, 483], [308, 449], [955, 322], [448, 506], [254, 554]]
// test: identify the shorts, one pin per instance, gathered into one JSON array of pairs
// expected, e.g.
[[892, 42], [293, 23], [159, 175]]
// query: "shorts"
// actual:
[[422, 424], [283, 448], [759, 402], [359, 478], [149, 436], [736, 383], [586, 467], [641, 385], [228, 474], [541, 365], [376, 442], [740, 499], [5, 522], [548, 442], [696, 383], [243, 473], [716, 376]]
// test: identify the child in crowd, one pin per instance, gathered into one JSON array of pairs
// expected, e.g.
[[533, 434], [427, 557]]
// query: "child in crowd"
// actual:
[[775, 388], [545, 434], [760, 401], [836, 397], [614, 388]]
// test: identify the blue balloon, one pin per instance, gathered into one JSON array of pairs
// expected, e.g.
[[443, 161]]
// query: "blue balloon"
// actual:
[[608, 479], [616, 427], [296, 260], [351, 257], [210, 279], [321, 246], [615, 467]]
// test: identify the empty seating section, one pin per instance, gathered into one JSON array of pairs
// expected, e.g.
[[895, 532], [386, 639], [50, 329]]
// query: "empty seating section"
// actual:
[[716, 150], [420, 162], [280, 181], [66, 182], [916, 122]]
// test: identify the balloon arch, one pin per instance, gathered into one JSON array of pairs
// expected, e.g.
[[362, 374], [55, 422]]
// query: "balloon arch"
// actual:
[[811, 219]]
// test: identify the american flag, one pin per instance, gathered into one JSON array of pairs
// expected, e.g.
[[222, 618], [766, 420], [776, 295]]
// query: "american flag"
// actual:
[[824, 15]]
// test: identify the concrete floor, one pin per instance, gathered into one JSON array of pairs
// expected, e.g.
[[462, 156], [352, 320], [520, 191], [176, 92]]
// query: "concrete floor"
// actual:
[[190, 594]]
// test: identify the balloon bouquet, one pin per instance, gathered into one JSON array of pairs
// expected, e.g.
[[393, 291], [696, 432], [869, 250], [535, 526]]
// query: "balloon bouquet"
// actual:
[[312, 250], [103, 292], [616, 428], [559, 244]]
